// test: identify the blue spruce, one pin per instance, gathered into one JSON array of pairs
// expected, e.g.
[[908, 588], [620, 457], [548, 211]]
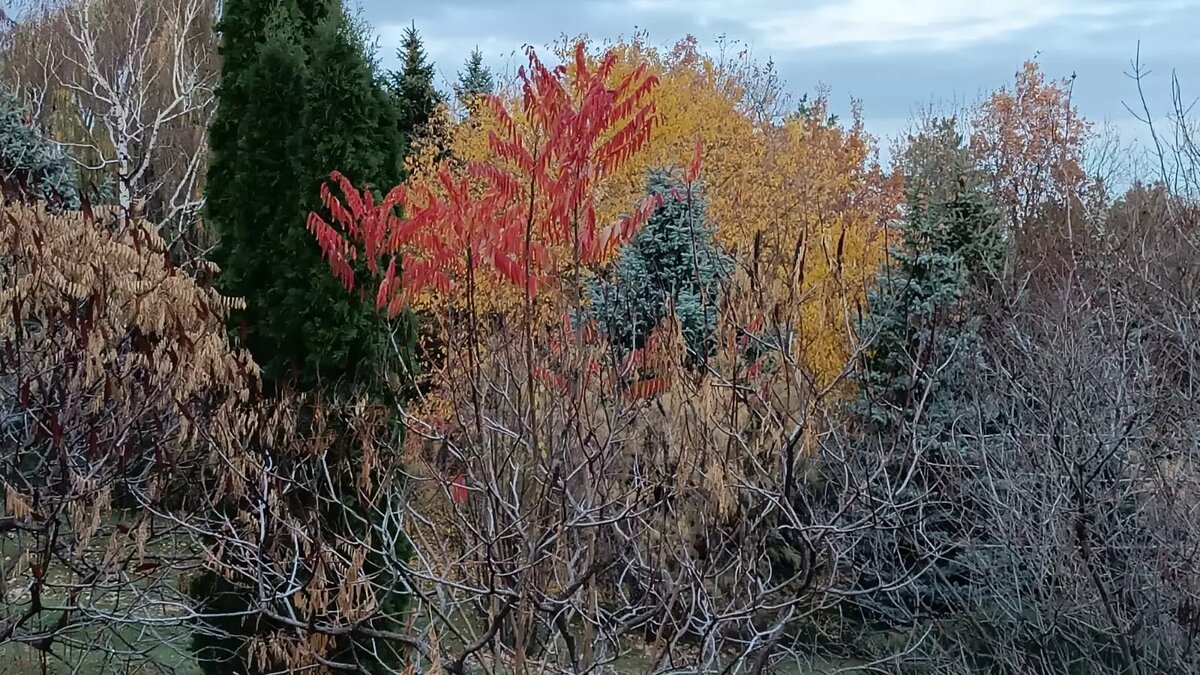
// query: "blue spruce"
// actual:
[[673, 261], [32, 167], [923, 331]]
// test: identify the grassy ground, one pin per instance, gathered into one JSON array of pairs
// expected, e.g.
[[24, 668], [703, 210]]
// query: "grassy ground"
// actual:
[[130, 649], [90, 647], [163, 651]]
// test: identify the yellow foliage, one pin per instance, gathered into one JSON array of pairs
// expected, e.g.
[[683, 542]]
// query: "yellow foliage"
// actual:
[[799, 198]]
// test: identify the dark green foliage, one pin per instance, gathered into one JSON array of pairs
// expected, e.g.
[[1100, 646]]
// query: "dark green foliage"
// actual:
[[412, 86], [474, 80], [806, 110], [302, 102], [220, 644], [299, 97], [243, 28], [32, 167], [674, 259]]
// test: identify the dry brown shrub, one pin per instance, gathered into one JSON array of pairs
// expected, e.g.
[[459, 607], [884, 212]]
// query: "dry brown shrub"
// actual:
[[115, 378]]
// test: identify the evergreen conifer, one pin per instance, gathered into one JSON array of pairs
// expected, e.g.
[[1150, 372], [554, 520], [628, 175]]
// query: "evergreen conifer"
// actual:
[[299, 97], [412, 86], [922, 326], [32, 167], [474, 80], [674, 260]]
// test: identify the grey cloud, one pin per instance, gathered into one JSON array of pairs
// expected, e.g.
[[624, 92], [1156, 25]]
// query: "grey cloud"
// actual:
[[1096, 45]]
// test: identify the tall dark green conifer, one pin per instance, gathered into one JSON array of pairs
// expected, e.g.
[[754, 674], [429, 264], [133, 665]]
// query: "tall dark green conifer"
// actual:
[[412, 86], [279, 130], [299, 97]]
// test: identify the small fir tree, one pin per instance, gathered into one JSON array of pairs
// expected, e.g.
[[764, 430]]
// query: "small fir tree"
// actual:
[[412, 86], [474, 80], [673, 261], [922, 326], [32, 167], [919, 314]]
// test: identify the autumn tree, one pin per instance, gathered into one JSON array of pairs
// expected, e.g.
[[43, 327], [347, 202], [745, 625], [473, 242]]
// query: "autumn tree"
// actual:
[[117, 386], [527, 244], [558, 510], [528, 218], [1029, 139], [138, 459], [807, 191]]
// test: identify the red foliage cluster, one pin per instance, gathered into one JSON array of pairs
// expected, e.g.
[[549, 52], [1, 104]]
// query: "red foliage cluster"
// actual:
[[516, 211]]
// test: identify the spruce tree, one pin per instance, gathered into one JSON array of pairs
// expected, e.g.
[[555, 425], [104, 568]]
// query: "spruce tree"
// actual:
[[922, 325], [474, 80], [673, 260], [32, 167], [920, 312], [412, 86], [299, 97]]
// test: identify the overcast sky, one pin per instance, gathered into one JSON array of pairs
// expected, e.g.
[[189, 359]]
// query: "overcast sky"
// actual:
[[893, 55]]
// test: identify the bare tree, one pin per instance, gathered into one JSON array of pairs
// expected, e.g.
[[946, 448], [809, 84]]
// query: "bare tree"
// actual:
[[1069, 460], [628, 515], [128, 85]]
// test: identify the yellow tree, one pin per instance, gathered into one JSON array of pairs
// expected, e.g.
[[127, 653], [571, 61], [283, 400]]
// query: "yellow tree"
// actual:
[[800, 197], [819, 237]]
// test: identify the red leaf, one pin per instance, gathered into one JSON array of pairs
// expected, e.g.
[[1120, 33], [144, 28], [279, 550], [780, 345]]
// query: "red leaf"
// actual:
[[458, 489], [575, 130], [693, 170]]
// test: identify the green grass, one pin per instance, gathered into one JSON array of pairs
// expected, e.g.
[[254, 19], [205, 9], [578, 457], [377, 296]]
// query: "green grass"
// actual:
[[87, 646], [87, 651]]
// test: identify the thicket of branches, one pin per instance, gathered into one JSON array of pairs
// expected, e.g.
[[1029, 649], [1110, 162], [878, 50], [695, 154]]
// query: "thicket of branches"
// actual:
[[946, 433]]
